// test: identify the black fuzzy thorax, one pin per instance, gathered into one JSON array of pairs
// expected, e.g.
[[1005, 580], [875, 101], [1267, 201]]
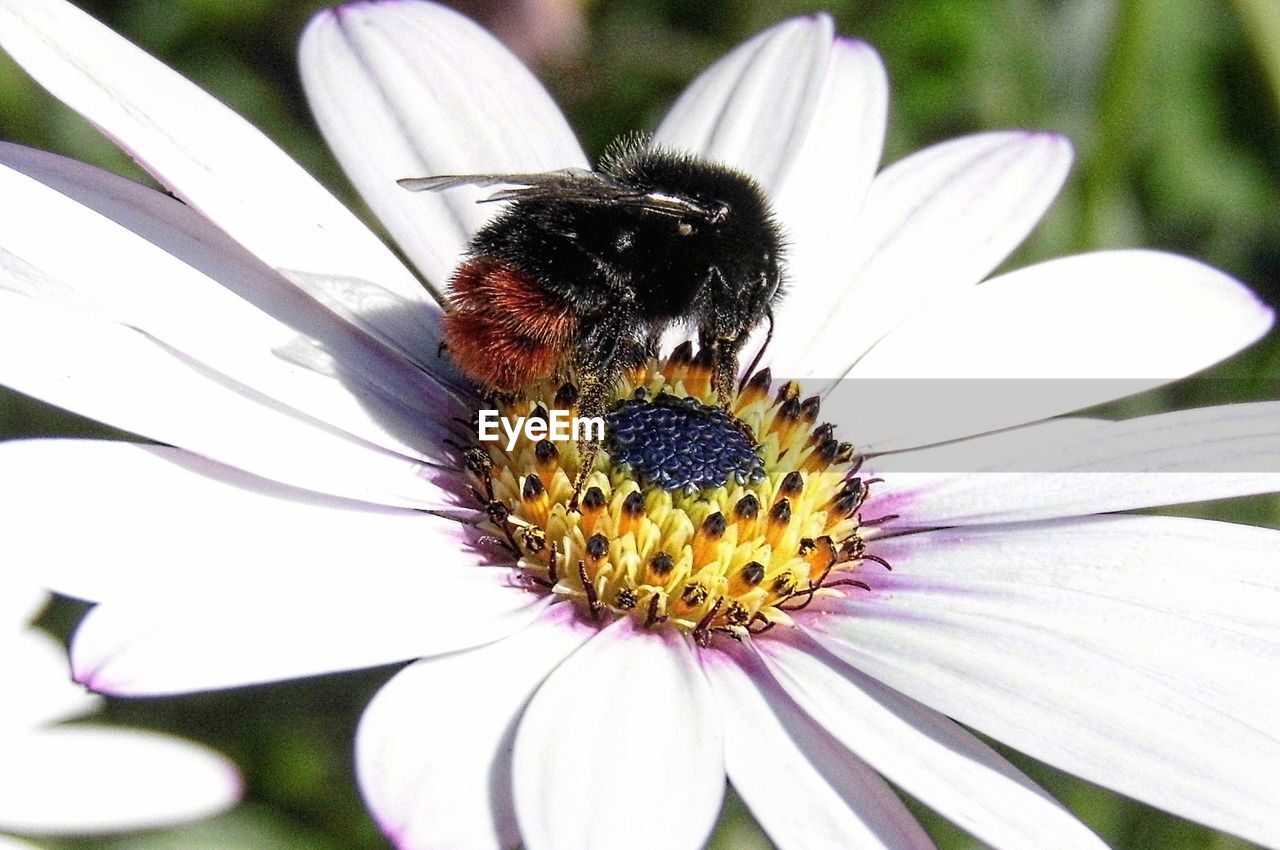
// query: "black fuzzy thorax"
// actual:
[[627, 272]]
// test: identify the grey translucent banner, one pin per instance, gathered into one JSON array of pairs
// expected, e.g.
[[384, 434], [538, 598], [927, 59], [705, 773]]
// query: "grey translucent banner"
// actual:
[[925, 425]]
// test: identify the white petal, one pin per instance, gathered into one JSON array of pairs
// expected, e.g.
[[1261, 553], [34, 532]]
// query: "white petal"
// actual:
[[1221, 574], [221, 165], [924, 753], [754, 108], [155, 265], [628, 733], [7, 843], [412, 89], [189, 525], [933, 224], [1234, 673], [38, 684], [1052, 673], [1165, 459], [88, 779], [126, 379], [433, 751], [1043, 341], [220, 642], [807, 791], [818, 202]]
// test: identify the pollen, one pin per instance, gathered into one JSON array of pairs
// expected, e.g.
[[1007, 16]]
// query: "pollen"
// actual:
[[713, 521]]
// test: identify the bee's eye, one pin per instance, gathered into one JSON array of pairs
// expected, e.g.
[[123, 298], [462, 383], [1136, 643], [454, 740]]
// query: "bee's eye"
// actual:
[[684, 228]]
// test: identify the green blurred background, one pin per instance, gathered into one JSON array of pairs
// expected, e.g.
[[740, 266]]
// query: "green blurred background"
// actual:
[[1172, 105]]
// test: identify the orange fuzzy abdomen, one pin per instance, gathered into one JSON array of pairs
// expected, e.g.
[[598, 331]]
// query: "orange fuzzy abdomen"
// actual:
[[505, 331]]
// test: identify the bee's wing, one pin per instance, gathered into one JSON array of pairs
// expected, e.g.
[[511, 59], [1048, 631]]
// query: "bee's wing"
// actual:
[[565, 180], [567, 184]]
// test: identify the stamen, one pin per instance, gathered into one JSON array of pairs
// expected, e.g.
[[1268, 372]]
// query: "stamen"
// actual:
[[715, 520]]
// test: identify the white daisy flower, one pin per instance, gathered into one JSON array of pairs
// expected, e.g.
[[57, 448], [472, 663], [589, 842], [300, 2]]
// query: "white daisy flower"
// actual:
[[590, 677], [67, 779]]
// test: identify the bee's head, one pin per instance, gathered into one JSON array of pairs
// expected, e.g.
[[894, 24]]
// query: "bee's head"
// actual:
[[715, 226]]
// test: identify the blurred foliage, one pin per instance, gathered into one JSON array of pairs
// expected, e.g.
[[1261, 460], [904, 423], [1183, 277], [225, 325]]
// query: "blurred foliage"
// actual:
[[1172, 105]]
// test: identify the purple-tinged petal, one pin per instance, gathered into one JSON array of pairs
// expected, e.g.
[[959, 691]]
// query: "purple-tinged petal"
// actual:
[[37, 689], [1176, 712], [409, 89], [433, 751], [924, 753], [807, 791], [626, 724]]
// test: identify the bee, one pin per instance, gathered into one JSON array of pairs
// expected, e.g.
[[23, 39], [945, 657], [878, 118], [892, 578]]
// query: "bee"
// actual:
[[585, 269]]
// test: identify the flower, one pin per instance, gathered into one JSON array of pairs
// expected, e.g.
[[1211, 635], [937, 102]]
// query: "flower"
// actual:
[[58, 779], [304, 516]]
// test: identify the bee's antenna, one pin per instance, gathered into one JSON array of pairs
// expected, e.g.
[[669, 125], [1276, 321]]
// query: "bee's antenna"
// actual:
[[755, 361]]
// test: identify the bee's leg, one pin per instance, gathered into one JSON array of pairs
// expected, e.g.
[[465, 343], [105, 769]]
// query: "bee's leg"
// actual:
[[593, 400], [600, 362], [724, 378]]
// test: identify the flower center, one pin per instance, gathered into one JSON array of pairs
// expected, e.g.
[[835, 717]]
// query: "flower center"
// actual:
[[708, 520]]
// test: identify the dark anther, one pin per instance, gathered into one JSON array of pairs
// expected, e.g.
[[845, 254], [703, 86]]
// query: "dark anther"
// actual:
[[792, 484], [827, 451], [781, 511], [532, 487], [592, 500], [759, 382], [714, 525], [626, 599], [498, 512], [790, 410], [681, 355], [539, 414], [479, 464], [661, 565], [787, 391], [546, 452], [822, 433], [705, 359], [748, 508], [753, 573], [810, 408], [736, 614], [534, 538], [633, 505], [694, 595], [844, 453], [597, 546]]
